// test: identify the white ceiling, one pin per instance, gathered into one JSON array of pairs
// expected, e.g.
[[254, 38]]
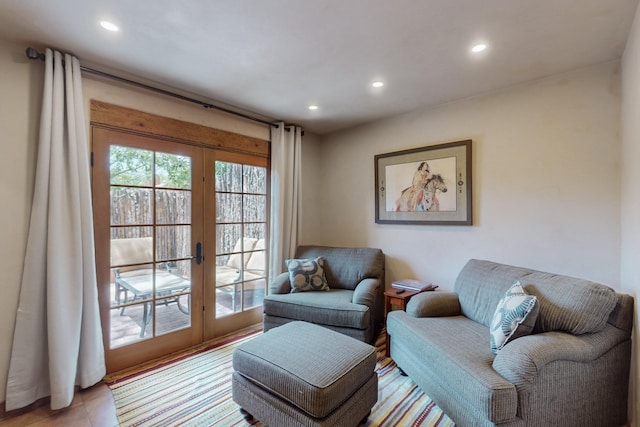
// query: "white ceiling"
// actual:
[[276, 57]]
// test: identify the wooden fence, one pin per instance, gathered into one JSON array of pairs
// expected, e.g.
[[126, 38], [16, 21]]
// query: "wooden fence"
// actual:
[[132, 215]]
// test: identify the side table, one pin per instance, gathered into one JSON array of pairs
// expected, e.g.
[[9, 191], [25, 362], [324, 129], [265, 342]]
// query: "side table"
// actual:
[[398, 298]]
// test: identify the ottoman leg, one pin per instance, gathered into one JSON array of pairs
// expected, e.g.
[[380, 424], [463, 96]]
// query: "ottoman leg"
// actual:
[[366, 417], [246, 415]]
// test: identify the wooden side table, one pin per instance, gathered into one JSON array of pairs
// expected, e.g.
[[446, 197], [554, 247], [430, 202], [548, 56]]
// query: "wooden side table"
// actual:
[[398, 298]]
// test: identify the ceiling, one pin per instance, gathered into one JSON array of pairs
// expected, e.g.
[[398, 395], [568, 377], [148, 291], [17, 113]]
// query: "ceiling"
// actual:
[[275, 58]]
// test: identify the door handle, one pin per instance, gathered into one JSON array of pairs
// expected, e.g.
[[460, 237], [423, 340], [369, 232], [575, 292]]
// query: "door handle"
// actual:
[[199, 256]]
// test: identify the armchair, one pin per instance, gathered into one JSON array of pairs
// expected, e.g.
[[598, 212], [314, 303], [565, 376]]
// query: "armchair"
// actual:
[[354, 304]]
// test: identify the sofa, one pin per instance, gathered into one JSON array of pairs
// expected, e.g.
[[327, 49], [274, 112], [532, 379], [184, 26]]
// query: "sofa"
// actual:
[[353, 302], [570, 368]]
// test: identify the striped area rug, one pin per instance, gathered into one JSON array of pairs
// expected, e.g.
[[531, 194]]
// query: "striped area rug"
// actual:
[[194, 389]]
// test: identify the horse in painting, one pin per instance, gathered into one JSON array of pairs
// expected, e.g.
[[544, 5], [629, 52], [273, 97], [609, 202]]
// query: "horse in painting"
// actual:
[[429, 200], [423, 197]]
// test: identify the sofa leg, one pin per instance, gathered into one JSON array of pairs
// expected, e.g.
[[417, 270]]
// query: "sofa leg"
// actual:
[[403, 373], [366, 417], [246, 415]]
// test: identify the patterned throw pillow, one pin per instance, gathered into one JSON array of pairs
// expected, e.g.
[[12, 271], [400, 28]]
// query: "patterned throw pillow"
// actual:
[[307, 274], [515, 317]]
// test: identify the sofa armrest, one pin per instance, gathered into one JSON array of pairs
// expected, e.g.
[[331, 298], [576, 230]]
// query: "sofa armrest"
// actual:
[[280, 284], [366, 291], [434, 304], [522, 359]]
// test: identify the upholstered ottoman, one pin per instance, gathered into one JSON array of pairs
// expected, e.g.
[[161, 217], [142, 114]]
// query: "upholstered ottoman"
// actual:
[[301, 374]]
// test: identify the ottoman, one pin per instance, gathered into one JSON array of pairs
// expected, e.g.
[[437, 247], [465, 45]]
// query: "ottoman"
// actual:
[[301, 374]]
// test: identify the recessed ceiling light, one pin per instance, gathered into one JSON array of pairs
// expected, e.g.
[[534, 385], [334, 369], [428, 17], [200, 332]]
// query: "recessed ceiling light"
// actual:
[[110, 26], [313, 107], [377, 84], [479, 47]]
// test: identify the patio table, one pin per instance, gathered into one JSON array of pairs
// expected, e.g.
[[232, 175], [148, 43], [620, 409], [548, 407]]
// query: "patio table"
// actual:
[[141, 286]]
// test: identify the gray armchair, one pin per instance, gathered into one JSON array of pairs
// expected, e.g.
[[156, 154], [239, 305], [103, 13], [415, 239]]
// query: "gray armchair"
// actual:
[[354, 304]]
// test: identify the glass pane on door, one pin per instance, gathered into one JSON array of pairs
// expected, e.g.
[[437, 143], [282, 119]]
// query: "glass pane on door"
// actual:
[[241, 215], [151, 204]]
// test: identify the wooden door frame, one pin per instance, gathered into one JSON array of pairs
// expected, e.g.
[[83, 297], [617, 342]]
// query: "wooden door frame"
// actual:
[[145, 349], [215, 327], [105, 116], [140, 123]]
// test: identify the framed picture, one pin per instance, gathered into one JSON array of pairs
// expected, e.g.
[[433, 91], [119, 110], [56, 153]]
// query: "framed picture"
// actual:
[[428, 185]]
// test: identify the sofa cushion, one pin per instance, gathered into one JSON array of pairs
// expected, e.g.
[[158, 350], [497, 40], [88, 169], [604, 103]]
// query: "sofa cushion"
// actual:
[[307, 274], [333, 307], [481, 284], [345, 268], [454, 353], [227, 276], [245, 244], [256, 261], [134, 250], [515, 317], [565, 303]]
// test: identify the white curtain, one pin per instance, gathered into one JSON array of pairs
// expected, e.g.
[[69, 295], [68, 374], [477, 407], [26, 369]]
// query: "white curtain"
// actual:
[[286, 146], [57, 342]]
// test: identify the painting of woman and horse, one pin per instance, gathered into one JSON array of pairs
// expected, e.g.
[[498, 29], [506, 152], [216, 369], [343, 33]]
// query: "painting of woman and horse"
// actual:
[[422, 186]]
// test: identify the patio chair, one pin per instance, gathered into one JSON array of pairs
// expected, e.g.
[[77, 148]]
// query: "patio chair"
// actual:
[[133, 276], [251, 271]]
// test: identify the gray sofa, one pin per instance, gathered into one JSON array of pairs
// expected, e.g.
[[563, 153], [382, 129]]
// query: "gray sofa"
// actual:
[[572, 370], [354, 304]]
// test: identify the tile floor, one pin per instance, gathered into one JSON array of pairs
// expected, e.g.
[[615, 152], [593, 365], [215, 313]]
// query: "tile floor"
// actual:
[[93, 407]]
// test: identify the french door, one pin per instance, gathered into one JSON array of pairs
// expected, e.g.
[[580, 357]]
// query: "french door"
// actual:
[[180, 243], [236, 233]]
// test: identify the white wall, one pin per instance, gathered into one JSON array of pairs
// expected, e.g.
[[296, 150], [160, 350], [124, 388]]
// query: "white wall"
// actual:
[[21, 89], [21, 85], [630, 194], [129, 96], [546, 181], [311, 189]]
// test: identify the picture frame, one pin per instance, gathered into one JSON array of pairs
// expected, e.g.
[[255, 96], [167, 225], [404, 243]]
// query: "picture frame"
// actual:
[[427, 186]]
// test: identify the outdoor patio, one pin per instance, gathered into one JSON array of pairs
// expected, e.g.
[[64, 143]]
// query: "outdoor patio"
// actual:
[[125, 328]]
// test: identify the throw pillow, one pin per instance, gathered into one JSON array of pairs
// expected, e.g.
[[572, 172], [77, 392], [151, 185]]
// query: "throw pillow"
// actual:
[[514, 317], [307, 274]]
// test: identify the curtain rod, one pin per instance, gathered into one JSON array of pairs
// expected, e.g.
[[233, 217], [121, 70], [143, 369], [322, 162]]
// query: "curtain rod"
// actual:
[[34, 54]]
